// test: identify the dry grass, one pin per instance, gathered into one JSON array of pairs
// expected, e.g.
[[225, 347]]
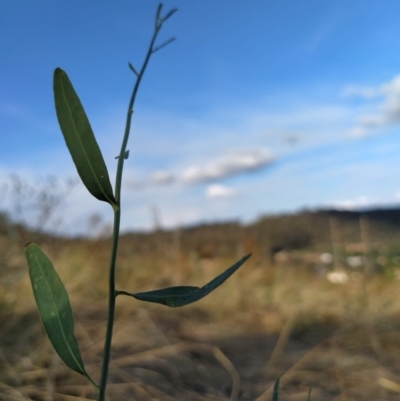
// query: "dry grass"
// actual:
[[265, 321]]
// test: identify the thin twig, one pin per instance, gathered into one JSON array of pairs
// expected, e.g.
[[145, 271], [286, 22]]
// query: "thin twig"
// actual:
[[133, 69], [166, 43], [282, 340], [230, 368]]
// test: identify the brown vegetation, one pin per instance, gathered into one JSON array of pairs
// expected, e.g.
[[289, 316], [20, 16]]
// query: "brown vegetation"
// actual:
[[278, 315]]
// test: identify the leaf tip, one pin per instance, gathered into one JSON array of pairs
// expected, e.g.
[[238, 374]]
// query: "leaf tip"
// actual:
[[27, 244]]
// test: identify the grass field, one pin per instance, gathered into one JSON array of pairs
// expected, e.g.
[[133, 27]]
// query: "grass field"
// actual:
[[272, 318]]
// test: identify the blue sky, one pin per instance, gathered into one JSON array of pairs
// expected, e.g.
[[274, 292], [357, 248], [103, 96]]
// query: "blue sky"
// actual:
[[258, 107]]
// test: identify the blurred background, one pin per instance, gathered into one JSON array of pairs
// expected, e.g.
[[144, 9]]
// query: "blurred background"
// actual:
[[266, 127]]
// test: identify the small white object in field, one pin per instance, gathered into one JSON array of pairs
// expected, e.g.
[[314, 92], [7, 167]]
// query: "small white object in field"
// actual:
[[354, 261], [281, 257], [338, 277], [326, 258]]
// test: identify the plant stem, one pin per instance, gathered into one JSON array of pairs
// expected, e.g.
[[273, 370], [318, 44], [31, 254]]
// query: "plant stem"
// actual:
[[117, 210], [111, 307]]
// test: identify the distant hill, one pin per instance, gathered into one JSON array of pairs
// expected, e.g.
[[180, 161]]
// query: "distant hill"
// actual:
[[303, 230]]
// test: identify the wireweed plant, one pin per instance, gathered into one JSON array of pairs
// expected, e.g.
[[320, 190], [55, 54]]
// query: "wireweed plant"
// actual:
[[49, 292]]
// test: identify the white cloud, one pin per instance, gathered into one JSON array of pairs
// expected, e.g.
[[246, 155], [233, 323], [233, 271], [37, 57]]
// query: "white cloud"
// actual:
[[386, 113], [364, 202], [371, 121], [232, 164], [357, 132], [361, 91], [133, 183], [217, 191], [352, 204], [391, 109], [162, 177], [229, 165]]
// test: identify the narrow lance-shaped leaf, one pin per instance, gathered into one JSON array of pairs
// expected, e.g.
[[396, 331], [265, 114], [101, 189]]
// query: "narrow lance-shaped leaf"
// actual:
[[80, 139], [170, 296], [54, 308], [185, 295]]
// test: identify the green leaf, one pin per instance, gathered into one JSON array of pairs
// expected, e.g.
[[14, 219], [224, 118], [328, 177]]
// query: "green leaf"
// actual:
[[171, 296], [54, 308], [80, 139], [185, 295], [275, 394]]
